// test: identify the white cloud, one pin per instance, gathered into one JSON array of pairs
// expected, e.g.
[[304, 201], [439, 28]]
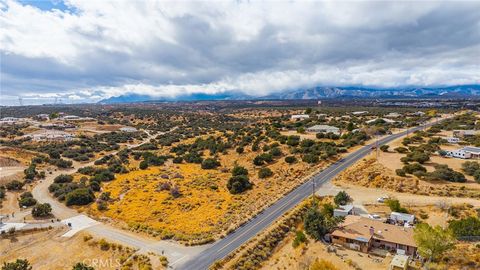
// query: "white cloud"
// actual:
[[166, 48]]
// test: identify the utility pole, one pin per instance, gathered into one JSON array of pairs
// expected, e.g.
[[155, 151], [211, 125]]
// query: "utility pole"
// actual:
[[20, 101]]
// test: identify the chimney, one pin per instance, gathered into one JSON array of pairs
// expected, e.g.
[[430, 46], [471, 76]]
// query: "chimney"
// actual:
[[372, 231]]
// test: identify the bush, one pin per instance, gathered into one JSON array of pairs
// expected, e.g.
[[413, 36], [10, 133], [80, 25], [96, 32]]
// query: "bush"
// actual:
[[401, 150], [299, 238], [63, 178], [14, 185], [238, 184], [239, 170], [264, 173], [400, 172], [82, 266], [395, 206], [470, 167], [210, 163], [310, 158], [27, 201], [19, 264], [469, 226], [414, 167], [42, 210], [443, 172], [178, 160], [290, 159], [80, 196], [143, 165], [384, 148], [240, 150], [342, 198]]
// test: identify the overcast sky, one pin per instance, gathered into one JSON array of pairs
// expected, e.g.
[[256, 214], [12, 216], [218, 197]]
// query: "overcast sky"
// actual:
[[85, 50]]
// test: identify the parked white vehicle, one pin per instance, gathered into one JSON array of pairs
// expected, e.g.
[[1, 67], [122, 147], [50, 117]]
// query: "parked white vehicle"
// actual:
[[374, 216], [382, 199]]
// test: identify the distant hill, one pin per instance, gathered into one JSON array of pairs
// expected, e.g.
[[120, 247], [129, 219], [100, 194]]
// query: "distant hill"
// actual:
[[320, 92]]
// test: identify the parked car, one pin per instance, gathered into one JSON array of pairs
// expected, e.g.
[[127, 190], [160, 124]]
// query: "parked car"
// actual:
[[374, 216], [382, 199]]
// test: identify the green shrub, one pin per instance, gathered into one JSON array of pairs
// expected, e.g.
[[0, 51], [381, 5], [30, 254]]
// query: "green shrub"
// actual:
[[290, 159], [299, 238], [400, 172], [264, 173], [63, 178], [210, 163], [80, 196], [238, 184], [42, 210]]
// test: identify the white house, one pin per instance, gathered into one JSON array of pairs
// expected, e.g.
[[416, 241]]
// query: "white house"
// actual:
[[323, 129], [406, 218], [299, 116], [452, 140], [344, 210], [51, 135], [393, 115], [128, 129], [460, 153], [388, 121], [473, 151], [359, 112], [465, 133], [43, 116]]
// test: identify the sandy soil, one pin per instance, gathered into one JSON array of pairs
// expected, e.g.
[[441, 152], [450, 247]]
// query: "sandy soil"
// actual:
[[47, 250], [362, 195], [299, 258]]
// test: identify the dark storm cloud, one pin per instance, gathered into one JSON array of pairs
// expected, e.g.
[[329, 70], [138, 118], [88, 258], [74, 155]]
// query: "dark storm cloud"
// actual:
[[165, 48]]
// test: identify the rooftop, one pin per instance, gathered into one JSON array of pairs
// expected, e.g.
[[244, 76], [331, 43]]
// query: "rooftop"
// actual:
[[471, 149], [358, 228], [323, 127]]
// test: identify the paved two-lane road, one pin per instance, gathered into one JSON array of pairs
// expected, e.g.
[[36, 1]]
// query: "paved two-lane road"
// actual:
[[223, 247]]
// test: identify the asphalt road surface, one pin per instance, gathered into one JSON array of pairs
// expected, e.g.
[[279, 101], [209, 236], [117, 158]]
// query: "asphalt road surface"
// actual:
[[225, 246]]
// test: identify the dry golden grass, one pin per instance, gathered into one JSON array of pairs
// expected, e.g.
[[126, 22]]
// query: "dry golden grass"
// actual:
[[372, 174], [48, 250], [205, 210]]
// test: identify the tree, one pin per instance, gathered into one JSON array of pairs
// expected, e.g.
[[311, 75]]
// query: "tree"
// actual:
[[239, 170], [470, 167], [14, 185], [80, 196], [310, 158], [210, 163], [290, 159], [240, 150], [143, 165], [341, 198], [432, 242], [299, 238], [63, 178], [469, 226], [384, 148], [30, 172], [264, 173], [395, 206], [82, 266], [19, 264], [317, 225], [42, 210], [238, 184]]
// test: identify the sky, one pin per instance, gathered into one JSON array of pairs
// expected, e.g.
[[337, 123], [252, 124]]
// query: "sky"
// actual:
[[85, 50]]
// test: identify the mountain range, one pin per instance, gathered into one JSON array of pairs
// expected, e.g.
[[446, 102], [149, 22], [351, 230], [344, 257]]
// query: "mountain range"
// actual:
[[319, 92]]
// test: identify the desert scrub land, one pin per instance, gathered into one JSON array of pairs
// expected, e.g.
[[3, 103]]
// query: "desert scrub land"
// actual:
[[202, 209], [372, 174], [48, 250]]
